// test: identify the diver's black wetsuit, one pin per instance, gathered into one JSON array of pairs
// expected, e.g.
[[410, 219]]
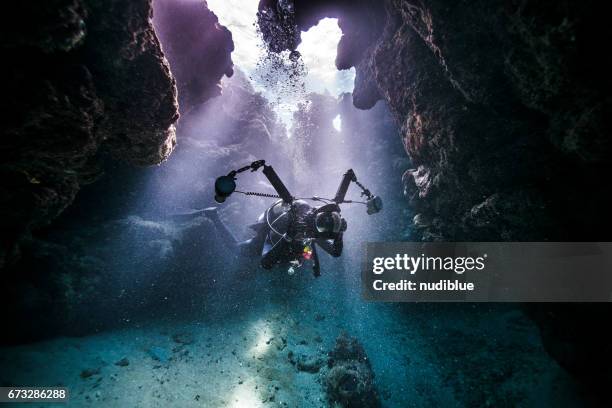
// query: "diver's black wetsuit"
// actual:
[[282, 251]]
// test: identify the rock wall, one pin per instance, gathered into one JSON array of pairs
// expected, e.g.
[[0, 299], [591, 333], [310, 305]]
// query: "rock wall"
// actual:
[[493, 109], [83, 76], [501, 107], [197, 47], [87, 79], [503, 111]]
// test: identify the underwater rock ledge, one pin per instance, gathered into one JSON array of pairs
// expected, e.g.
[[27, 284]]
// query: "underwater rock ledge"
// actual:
[[86, 79]]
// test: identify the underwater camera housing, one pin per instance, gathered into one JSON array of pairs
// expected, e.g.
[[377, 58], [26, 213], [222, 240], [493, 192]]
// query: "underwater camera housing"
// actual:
[[312, 223], [327, 222]]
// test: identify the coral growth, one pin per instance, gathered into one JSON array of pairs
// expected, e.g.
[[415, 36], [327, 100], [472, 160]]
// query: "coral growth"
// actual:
[[350, 379]]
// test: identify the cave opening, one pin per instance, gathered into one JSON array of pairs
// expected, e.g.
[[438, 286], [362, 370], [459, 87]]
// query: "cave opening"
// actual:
[[283, 80]]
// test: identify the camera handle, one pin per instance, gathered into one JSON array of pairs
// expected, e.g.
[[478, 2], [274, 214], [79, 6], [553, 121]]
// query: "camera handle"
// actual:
[[270, 174]]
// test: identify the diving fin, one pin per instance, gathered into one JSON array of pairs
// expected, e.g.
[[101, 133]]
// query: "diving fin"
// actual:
[[190, 214]]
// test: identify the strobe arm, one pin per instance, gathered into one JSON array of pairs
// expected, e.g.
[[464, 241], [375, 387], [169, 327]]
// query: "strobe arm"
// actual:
[[374, 203], [277, 183], [226, 185], [344, 185]]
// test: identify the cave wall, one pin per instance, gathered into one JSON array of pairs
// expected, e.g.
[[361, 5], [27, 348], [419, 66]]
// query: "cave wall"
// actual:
[[502, 107], [197, 47], [86, 80], [82, 76], [502, 114], [503, 110]]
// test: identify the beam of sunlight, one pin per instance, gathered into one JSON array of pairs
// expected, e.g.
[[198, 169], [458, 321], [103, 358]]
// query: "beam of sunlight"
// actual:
[[239, 17], [318, 48], [337, 122], [262, 341], [244, 396]]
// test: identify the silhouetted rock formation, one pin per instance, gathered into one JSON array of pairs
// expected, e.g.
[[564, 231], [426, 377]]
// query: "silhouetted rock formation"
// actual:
[[88, 77], [198, 48], [82, 77]]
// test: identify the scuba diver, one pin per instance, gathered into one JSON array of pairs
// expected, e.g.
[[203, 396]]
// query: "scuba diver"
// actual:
[[290, 231]]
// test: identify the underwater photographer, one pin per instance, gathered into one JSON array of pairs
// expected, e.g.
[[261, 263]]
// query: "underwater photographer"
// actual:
[[288, 233]]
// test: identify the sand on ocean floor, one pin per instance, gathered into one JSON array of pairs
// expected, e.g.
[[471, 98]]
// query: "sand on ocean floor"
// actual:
[[421, 356], [238, 365]]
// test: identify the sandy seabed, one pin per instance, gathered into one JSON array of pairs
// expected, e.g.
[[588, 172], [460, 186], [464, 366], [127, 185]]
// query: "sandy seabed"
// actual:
[[238, 353]]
